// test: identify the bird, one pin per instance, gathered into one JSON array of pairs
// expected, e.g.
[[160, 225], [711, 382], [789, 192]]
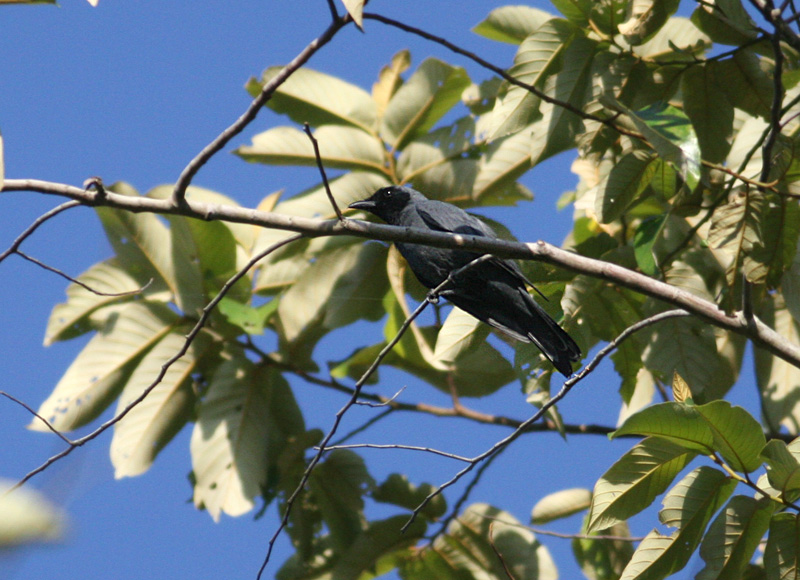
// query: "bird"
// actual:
[[494, 291]]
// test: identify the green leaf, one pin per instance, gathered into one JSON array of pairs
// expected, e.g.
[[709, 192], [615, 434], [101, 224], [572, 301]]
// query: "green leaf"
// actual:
[[745, 84], [101, 369], [635, 480], [467, 550], [397, 490], [710, 111], [643, 241], [577, 11], [153, 422], [560, 504], [230, 439], [355, 8], [504, 161], [338, 485], [687, 507], [782, 554], [686, 346], [340, 287], [678, 40], [558, 128], [725, 21], [670, 133], [603, 558], [72, 318], [381, 538], [737, 435], [249, 319], [511, 24], [460, 334], [433, 89], [624, 183], [733, 537], [539, 56], [675, 422], [783, 469], [316, 98], [340, 146], [777, 379]]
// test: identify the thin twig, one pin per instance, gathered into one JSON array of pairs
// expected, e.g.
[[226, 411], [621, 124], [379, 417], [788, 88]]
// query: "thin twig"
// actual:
[[398, 446], [12, 249], [165, 367], [38, 416], [565, 389], [328, 192], [179, 193], [76, 281], [497, 553]]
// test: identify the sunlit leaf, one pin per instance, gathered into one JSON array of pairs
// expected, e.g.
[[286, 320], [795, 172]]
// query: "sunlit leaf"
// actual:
[[635, 480], [678, 423], [511, 24], [389, 79], [153, 422], [28, 517], [433, 89], [316, 98], [561, 504], [678, 40], [101, 369], [645, 18], [733, 537]]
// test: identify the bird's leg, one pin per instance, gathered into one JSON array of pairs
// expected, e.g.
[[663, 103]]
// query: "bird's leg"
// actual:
[[451, 384]]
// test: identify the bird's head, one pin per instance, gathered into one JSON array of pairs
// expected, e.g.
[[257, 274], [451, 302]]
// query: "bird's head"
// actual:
[[387, 203]]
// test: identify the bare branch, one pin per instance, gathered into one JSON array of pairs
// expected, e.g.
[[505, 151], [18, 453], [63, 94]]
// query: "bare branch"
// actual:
[[38, 416], [179, 193], [761, 335]]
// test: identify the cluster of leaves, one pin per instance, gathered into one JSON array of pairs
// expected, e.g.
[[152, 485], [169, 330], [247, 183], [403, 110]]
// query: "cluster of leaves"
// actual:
[[658, 128]]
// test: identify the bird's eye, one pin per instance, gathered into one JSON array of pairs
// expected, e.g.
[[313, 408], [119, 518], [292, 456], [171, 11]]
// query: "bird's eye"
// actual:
[[389, 193]]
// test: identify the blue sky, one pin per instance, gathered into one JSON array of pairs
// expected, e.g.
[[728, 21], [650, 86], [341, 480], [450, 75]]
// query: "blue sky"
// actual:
[[132, 91]]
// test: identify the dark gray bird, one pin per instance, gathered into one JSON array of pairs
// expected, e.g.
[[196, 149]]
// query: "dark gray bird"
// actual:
[[493, 291]]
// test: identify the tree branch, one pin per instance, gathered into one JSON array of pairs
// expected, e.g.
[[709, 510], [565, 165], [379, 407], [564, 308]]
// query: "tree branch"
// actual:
[[761, 335]]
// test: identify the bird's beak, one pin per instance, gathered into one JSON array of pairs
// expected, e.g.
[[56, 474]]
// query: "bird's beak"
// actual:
[[365, 204]]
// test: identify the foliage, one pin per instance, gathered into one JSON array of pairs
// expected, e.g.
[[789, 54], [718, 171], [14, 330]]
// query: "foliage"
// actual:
[[684, 176]]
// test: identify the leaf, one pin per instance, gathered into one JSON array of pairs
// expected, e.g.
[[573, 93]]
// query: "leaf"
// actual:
[[467, 550], [603, 558], [246, 318], [312, 97], [634, 481], [154, 421], [27, 517], [686, 346], [503, 162], [783, 469], [777, 379], [229, 440], [389, 79], [560, 504], [725, 22], [511, 24], [678, 40], [643, 241], [680, 389], [338, 485], [101, 369], [669, 132], [340, 147], [737, 435], [433, 89], [355, 8], [782, 554], [624, 183], [538, 56], [340, 287], [746, 85], [677, 423], [379, 539], [733, 537], [459, 335], [71, 318], [397, 490], [710, 111]]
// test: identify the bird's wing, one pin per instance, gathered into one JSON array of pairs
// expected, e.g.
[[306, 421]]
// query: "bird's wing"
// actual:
[[449, 218]]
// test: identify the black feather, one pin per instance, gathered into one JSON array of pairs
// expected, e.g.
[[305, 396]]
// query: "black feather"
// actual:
[[493, 291]]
